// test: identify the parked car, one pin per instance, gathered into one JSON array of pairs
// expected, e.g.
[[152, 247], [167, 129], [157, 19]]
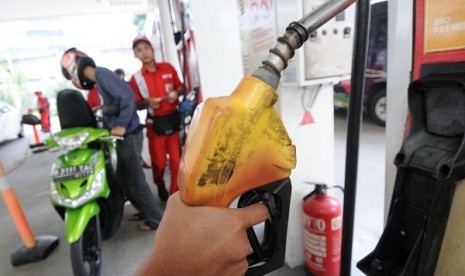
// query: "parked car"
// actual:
[[10, 122], [375, 74]]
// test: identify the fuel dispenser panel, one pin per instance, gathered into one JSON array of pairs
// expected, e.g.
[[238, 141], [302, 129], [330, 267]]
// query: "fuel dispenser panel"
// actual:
[[329, 51], [327, 55]]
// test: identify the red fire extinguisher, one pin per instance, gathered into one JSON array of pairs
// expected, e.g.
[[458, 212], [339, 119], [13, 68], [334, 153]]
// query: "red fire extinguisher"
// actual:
[[322, 217]]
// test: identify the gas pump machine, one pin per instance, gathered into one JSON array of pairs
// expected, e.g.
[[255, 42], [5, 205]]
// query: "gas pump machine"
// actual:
[[425, 226]]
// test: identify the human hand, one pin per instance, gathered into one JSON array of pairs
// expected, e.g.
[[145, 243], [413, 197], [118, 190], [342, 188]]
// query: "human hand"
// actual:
[[201, 240], [95, 108], [155, 102], [172, 96], [118, 131]]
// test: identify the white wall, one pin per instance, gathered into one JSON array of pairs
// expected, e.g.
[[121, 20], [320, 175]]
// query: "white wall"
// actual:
[[218, 46], [400, 35], [315, 154]]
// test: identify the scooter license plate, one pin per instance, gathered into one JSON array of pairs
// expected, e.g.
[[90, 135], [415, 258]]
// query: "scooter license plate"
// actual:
[[66, 173]]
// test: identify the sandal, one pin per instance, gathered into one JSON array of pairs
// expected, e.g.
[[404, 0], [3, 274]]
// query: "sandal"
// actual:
[[137, 217], [146, 165], [147, 226]]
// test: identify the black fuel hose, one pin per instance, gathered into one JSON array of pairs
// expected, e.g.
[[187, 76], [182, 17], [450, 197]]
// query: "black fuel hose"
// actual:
[[354, 120]]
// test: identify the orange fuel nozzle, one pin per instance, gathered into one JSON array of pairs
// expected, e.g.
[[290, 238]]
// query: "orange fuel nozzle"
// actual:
[[235, 144]]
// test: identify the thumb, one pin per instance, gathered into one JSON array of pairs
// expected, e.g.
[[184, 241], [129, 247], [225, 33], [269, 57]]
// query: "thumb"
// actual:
[[254, 214]]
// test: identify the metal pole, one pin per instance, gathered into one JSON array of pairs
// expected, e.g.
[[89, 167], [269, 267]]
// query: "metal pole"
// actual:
[[353, 131], [184, 50]]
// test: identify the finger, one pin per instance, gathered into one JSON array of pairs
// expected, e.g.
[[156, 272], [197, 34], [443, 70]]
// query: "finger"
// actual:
[[236, 269], [175, 199], [174, 203], [254, 214]]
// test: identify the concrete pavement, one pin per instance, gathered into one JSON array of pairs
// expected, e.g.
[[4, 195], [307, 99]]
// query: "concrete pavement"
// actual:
[[30, 180]]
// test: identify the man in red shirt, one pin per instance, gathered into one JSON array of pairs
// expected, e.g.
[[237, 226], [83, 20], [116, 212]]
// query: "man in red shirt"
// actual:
[[44, 109], [93, 98], [156, 87]]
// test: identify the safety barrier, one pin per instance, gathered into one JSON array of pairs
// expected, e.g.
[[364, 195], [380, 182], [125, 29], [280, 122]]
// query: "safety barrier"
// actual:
[[30, 119], [33, 248]]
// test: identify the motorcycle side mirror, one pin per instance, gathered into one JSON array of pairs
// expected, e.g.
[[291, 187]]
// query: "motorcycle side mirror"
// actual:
[[29, 119]]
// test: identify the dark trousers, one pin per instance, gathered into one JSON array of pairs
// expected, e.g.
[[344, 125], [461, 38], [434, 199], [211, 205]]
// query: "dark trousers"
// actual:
[[131, 178]]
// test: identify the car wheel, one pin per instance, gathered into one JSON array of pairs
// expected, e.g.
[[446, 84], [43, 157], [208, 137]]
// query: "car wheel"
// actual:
[[377, 107]]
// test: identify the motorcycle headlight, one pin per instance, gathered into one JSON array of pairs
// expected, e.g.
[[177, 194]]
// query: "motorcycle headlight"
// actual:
[[93, 192], [72, 142]]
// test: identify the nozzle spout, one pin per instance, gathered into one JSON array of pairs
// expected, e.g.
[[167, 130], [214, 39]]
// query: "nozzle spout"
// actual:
[[296, 34]]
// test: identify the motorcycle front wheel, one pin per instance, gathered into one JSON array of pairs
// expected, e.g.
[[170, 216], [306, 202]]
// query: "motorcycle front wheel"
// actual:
[[86, 258]]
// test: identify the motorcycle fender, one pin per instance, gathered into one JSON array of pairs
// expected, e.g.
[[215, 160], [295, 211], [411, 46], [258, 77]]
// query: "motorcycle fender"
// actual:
[[76, 220]]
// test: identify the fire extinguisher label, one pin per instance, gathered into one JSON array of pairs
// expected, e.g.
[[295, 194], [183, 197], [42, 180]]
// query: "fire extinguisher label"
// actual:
[[317, 225], [315, 244], [336, 223], [314, 235]]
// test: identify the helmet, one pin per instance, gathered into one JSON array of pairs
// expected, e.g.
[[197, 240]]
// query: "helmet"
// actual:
[[139, 39], [73, 63]]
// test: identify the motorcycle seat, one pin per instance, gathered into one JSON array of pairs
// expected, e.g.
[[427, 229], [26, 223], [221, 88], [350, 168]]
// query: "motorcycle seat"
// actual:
[[73, 110]]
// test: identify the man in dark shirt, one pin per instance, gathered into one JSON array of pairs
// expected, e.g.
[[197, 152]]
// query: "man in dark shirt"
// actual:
[[120, 116]]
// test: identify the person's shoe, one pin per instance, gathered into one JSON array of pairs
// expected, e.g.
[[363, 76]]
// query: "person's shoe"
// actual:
[[145, 164], [147, 226], [137, 217], [163, 193]]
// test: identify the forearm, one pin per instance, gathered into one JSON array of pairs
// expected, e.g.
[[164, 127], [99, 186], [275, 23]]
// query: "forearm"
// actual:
[[151, 266]]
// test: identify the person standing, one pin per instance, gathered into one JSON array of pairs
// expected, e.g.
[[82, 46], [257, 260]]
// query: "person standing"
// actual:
[[120, 116], [122, 75], [44, 109], [93, 98], [156, 87]]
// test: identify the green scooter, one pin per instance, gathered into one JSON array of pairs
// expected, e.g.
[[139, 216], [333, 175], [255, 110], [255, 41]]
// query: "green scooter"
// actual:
[[83, 188]]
